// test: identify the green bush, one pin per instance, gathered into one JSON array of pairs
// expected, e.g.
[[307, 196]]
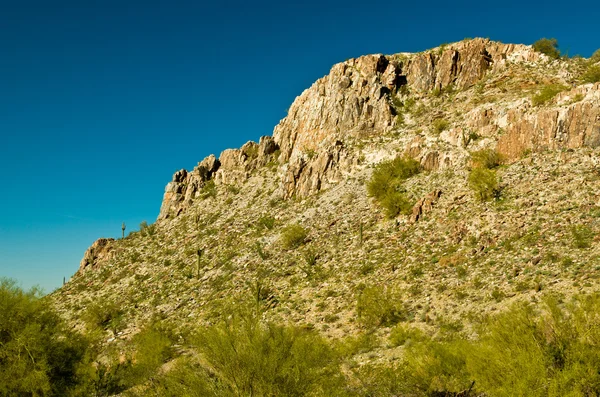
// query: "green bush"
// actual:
[[293, 236], [484, 183], [104, 315], [377, 306], [553, 351], [208, 190], [440, 125], [248, 357], [386, 181], [592, 74], [582, 236], [595, 57], [486, 158], [547, 93], [266, 222], [548, 47], [402, 334], [39, 356]]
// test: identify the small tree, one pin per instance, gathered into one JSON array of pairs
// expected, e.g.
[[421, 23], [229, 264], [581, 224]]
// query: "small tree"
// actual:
[[548, 47]]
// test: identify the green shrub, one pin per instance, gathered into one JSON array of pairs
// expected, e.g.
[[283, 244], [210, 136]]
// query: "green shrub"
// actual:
[[253, 358], [386, 181], [547, 93], [582, 236], [266, 222], [486, 158], [39, 356], [484, 183], [395, 203], [592, 74], [293, 236], [208, 190], [403, 334], [104, 315], [152, 348], [595, 57], [440, 125], [147, 230], [377, 306], [548, 47], [553, 351]]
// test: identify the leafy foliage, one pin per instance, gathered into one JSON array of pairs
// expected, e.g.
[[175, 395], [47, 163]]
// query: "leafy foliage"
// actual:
[[484, 183], [548, 47], [38, 355], [293, 236], [592, 74], [440, 125], [486, 158], [547, 93], [385, 184], [377, 306]]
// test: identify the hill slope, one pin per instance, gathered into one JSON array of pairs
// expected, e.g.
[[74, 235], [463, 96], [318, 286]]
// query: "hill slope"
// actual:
[[289, 220]]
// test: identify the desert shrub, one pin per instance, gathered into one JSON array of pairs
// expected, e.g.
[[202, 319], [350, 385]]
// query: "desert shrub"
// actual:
[[39, 356], [592, 74], [396, 203], [104, 315], [440, 125], [293, 236], [582, 236], [402, 334], [377, 306], [548, 47], [484, 183], [208, 190], [266, 222], [595, 57], [380, 381], [254, 358], [147, 230], [385, 184], [550, 351], [185, 378], [546, 93], [486, 158], [152, 347]]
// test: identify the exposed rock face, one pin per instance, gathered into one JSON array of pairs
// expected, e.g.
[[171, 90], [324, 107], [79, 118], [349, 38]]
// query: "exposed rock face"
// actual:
[[186, 186], [354, 99], [569, 126], [462, 64], [100, 251], [424, 205], [233, 166]]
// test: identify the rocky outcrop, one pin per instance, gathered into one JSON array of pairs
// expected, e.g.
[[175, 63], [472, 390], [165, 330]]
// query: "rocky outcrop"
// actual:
[[99, 251], [424, 205], [233, 166], [186, 186], [567, 124], [355, 99], [462, 64]]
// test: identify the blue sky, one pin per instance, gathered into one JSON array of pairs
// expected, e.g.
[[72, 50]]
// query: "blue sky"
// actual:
[[101, 101]]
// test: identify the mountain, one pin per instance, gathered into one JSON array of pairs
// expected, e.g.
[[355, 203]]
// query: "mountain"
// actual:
[[432, 190]]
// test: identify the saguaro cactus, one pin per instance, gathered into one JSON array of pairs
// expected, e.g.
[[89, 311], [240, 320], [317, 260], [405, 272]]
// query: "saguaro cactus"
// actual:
[[199, 254], [123, 230]]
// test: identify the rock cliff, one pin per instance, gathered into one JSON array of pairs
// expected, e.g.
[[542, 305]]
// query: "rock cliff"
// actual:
[[362, 98]]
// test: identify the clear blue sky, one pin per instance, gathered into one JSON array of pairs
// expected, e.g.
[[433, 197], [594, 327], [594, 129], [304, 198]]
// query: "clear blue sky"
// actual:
[[101, 101]]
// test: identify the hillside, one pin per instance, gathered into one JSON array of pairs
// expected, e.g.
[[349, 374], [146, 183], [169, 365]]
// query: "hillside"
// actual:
[[293, 224]]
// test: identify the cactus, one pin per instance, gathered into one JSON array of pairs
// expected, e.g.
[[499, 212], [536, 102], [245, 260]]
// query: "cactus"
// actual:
[[360, 234], [123, 230], [199, 254]]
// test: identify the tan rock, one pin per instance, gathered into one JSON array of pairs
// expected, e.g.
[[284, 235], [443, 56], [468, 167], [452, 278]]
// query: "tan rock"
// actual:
[[99, 251]]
